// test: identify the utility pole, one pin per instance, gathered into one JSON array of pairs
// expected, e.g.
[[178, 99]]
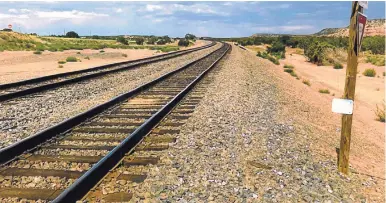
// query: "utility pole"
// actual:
[[349, 89]]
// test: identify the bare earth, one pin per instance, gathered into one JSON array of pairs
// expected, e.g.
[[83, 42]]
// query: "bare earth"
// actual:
[[368, 135], [22, 65]]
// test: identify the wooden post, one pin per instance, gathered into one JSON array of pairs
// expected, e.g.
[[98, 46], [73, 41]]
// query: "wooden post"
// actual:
[[349, 90]]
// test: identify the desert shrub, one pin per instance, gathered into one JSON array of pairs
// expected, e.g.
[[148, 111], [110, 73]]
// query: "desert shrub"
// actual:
[[307, 82], [124, 55], [380, 113], [277, 49], [37, 52], [169, 49], [87, 57], [139, 41], [293, 74], [101, 51], [52, 49], [273, 60], [60, 66], [324, 91], [370, 72], [375, 44], [378, 60], [122, 40], [315, 52], [72, 34], [71, 59], [161, 42], [288, 70], [338, 66], [61, 62], [288, 66], [78, 52], [183, 42]]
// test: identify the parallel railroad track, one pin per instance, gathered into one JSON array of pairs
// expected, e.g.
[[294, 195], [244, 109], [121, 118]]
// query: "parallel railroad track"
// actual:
[[35, 85], [65, 161]]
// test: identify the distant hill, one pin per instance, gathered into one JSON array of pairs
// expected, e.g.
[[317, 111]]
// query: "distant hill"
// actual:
[[373, 27]]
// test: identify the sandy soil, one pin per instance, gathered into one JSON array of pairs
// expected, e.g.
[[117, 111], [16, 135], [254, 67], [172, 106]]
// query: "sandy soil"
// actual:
[[370, 91], [22, 65], [313, 110]]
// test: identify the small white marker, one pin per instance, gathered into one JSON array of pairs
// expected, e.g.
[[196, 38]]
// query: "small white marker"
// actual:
[[342, 106]]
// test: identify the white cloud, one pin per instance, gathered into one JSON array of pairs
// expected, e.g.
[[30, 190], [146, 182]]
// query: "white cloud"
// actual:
[[36, 19], [12, 10], [169, 9], [119, 10]]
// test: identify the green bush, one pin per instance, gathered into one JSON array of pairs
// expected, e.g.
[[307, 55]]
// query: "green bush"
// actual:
[[87, 57], [324, 91], [37, 52], [124, 55], [288, 66], [378, 60], [52, 49], [183, 42], [273, 60], [122, 40], [78, 52], [71, 59], [61, 62], [338, 66], [289, 70], [101, 51], [370, 72], [139, 41], [60, 66]]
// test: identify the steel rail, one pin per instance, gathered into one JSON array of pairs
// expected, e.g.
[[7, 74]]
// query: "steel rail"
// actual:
[[88, 180], [33, 90]]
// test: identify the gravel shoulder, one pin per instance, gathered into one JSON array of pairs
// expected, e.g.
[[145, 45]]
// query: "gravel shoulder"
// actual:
[[23, 117], [258, 137]]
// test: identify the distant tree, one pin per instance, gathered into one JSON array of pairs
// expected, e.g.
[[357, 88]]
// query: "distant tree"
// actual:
[[190, 36], [139, 41], [183, 42], [72, 34], [166, 39], [122, 40], [152, 39], [95, 37]]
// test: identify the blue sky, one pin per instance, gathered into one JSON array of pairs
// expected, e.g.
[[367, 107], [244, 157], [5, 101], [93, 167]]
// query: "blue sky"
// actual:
[[216, 19]]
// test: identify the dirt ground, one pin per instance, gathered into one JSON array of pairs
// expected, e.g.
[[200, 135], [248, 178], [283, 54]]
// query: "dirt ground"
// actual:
[[369, 92], [367, 155], [22, 65]]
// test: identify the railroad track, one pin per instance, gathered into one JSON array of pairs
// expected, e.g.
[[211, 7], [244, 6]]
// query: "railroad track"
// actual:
[[64, 162], [36, 85]]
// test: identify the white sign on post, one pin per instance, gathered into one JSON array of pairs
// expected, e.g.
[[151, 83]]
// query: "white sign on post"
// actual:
[[342, 106], [364, 4]]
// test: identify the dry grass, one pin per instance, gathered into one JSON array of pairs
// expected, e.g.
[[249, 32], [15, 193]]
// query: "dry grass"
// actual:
[[380, 113], [256, 48], [307, 82], [324, 91], [337, 55]]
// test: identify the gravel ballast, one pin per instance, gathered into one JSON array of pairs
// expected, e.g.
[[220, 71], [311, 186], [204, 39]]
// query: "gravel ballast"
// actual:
[[23, 117], [239, 147]]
